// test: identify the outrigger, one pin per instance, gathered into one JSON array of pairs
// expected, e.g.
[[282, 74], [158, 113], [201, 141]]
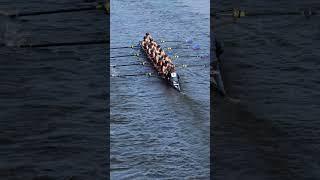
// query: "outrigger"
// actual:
[[172, 78]]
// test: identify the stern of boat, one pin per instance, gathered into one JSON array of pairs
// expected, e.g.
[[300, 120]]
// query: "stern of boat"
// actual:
[[174, 79]]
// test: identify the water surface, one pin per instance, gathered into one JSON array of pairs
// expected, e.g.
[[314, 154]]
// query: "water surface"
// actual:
[[53, 122], [271, 66], [157, 132]]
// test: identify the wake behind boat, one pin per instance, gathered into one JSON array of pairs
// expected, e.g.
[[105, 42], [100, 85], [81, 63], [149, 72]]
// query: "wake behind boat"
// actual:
[[158, 62]]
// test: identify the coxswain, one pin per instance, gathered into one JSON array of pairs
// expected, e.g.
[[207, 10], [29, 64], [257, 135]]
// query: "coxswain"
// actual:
[[171, 68]]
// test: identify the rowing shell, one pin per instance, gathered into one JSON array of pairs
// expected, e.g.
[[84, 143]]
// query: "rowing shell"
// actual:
[[173, 80]]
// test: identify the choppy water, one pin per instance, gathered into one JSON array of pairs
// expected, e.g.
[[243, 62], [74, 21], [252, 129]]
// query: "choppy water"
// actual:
[[53, 117], [271, 65], [157, 132]]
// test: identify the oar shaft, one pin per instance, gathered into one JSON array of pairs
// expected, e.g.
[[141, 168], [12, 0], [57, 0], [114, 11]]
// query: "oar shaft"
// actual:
[[125, 56], [162, 41], [192, 65], [176, 56], [171, 48], [133, 75], [125, 65], [124, 47], [135, 64]]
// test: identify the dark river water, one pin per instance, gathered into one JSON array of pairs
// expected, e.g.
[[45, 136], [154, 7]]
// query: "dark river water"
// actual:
[[53, 100], [156, 132], [270, 129]]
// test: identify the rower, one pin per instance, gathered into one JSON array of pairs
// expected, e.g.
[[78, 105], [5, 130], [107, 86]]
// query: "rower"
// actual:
[[167, 59], [158, 57], [144, 42], [150, 39], [161, 62], [162, 53], [154, 43], [158, 49], [150, 48], [153, 54], [159, 65], [171, 68], [145, 46], [165, 68], [148, 36], [153, 47]]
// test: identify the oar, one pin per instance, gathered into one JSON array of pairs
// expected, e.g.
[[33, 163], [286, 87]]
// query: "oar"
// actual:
[[237, 13], [135, 64], [176, 56], [137, 46], [129, 55], [100, 6], [133, 75], [126, 47], [144, 63], [191, 65], [185, 41], [63, 44], [197, 47], [194, 47]]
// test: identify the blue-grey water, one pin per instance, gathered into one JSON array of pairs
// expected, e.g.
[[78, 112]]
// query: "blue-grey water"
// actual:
[[270, 130], [157, 132], [53, 119]]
